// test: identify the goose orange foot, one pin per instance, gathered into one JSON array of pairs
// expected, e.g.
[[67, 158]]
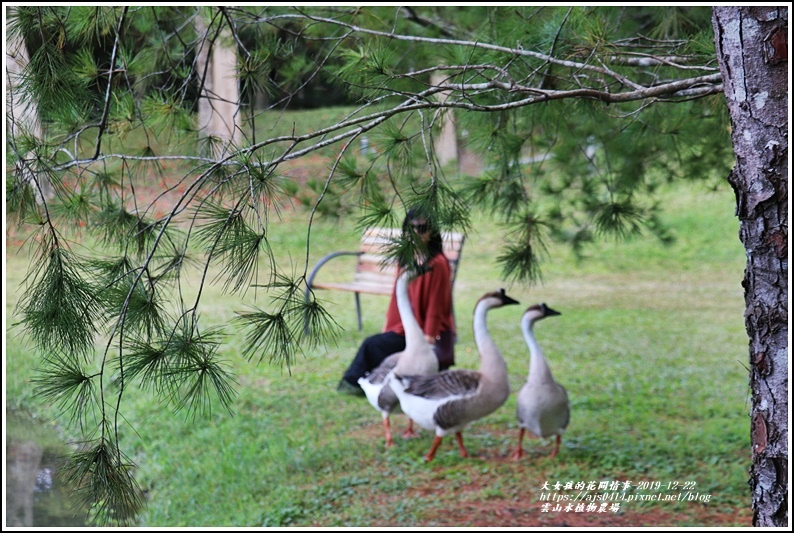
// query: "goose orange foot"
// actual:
[[432, 453], [461, 447], [519, 453], [409, 432], [387, 431]]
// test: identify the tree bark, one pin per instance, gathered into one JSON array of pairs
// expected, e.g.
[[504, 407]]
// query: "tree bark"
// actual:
[[446, 143], [24, 114], [752, 49], [218, 109]]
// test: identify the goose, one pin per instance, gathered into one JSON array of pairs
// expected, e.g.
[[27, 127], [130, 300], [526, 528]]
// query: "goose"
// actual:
[[447, 401], [542, 403], [418, 358]]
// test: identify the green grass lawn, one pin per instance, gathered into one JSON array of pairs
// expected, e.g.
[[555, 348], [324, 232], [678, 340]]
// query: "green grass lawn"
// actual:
[[651, 346]]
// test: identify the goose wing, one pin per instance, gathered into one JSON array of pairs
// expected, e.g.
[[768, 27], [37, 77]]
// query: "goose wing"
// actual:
[[387, 400], [422, 397], [378, 375], [565, 414], [375, 385], [450, 383], [554, 420], [543, 410]]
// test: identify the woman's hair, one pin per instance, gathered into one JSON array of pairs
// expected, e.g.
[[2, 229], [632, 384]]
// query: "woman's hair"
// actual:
[[435, 245]]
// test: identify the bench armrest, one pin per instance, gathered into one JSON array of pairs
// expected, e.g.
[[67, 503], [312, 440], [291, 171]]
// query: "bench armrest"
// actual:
[[320, 263], [313, 273]]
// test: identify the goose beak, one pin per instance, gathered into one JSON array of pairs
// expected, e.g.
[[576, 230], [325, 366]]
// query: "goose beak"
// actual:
[[506, 300], [548, 311]]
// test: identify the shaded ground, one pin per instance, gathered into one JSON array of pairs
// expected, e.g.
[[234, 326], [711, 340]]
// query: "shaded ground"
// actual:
[[501, 513], [497, 514], [476, 504]]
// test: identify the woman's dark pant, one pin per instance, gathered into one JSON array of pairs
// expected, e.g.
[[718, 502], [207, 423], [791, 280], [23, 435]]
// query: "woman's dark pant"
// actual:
[[378, 347], [372, 352]]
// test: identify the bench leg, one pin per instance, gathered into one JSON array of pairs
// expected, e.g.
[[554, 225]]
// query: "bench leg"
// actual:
[[358, 312], [306, 320]]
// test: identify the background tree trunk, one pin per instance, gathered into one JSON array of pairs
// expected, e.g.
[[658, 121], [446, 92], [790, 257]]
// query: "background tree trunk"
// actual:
[[23, 114], [446, 144], [752, 50], [218, 110]]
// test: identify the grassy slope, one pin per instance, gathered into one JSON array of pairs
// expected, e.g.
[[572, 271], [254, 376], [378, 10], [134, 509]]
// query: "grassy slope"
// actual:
[[651, 346]]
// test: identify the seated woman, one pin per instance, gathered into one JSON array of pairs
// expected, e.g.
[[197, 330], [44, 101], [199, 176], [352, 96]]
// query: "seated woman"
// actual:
[[431, 299]]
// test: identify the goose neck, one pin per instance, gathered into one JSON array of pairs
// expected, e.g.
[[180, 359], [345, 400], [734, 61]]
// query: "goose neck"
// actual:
[[490, 356], [538, 368], [412, 330]]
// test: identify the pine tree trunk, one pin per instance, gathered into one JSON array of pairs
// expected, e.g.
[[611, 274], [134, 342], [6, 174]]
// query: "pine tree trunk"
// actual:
[[23, 114], [446, 144], [752, 51], [218, 106]]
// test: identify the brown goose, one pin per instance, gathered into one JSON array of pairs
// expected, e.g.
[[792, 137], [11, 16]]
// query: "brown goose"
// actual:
[[542, 404], [418, 358], [447, 401]]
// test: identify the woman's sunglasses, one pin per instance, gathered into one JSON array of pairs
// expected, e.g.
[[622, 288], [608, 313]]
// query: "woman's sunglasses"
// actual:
[[420, 228]]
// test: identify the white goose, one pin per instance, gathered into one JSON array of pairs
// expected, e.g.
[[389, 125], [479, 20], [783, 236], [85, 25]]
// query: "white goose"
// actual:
[[447, 401], [542, 404], [418, 358]]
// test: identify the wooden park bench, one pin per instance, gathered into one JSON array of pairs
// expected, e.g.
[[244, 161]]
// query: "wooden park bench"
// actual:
[[375, 272]]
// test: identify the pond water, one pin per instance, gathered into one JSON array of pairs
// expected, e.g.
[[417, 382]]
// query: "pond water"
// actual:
[[35, 494]]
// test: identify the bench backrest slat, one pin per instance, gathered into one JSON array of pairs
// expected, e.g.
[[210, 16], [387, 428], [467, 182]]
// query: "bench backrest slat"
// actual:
[[375, 271], [374, 265]]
